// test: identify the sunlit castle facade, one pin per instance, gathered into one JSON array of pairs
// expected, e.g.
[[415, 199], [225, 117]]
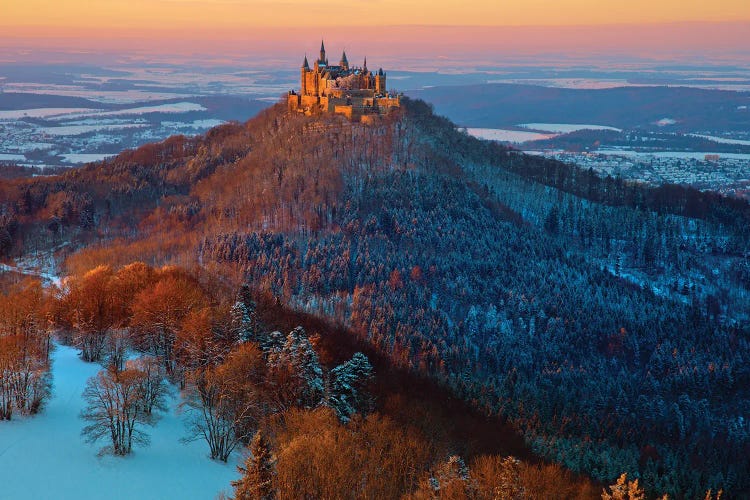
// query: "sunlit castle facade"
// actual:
[[354, 92]]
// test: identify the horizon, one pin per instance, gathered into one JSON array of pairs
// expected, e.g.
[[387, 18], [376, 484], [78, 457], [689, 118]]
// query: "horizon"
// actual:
[[398, 45]]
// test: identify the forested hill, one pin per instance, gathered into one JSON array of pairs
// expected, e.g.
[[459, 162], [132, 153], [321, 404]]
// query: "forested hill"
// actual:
[[607, 321]]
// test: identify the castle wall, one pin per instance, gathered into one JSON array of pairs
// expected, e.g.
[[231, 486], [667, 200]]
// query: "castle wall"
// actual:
[[388, 102], [311, 84], [345, 110]]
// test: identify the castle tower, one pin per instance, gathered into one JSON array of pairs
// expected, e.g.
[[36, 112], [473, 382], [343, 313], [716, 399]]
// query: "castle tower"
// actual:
[[380, 82], [303, 76], [322, 58]]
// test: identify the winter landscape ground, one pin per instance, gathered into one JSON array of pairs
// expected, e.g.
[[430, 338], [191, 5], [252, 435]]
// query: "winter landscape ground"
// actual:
[[46, 457]]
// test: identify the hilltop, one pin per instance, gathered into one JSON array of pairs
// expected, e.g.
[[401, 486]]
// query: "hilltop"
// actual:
[[605, 321]]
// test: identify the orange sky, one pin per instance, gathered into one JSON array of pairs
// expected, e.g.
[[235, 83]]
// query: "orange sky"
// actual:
[[34, 17], [383, 28]]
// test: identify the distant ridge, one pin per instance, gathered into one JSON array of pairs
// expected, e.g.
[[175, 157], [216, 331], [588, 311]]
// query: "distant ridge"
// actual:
[[497, 105]]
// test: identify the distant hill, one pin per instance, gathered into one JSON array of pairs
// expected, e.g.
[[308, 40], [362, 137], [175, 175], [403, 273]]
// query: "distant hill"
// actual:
[[17, 100], [499, 105]]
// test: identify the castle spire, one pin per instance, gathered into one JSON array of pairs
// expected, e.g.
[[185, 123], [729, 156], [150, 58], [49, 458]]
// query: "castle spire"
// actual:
[[305, 64], [364, 67], [322, 51], [344, 62]]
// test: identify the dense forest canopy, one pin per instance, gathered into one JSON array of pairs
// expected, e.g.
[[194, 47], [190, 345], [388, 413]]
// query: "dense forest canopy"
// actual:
[[605, 320]]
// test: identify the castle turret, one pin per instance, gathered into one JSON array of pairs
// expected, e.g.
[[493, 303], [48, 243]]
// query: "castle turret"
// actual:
[[322, 58], [344, 63], [380, 82], [303, 76]]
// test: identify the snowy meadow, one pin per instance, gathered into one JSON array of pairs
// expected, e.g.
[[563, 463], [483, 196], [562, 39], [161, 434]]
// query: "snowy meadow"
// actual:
[[45, 456]]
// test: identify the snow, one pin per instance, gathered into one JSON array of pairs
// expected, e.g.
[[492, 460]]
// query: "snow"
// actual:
[[30, 146], [195, 124], [565, 128], [45, 457], [46, 276], [11, 157], [568, 83], [604, 83], [103, 96], [74, 113], [496, 134], [175, 107], [85, 157], [722, 140], [85, 129], [16, 114]]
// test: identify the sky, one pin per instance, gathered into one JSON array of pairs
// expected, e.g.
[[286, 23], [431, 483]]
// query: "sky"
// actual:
[[443, 27], [236, 14]]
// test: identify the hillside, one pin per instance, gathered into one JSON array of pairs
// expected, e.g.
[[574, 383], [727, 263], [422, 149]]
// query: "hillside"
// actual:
[[605, 321]]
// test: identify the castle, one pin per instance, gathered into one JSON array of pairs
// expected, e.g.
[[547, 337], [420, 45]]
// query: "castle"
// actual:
[[356, 93]]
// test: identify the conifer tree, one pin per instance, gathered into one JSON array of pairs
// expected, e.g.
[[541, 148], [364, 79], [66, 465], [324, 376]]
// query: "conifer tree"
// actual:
[[624, 490], [348, 388], [244, 317], [298, 357], [258, 474]]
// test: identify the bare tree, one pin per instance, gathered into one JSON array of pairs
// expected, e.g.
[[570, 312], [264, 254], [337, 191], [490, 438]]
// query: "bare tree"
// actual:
[[116, 348], [115, 408], [225, 403], [152, 384]]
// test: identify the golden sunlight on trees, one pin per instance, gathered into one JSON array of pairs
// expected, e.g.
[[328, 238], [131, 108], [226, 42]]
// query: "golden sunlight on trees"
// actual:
[[258, 474], [225, 403], [624, 490], [158, 312], [319, 457], [24, 350], [91, 311]]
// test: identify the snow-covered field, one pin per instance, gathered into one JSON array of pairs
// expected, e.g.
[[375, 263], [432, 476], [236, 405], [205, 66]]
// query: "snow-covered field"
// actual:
[[722, 140], [565, 128], [502, 135], [175, 107], [85, 157], [103, 96], [86, 129], [15, 114], [195, 124], [11, 157], [45, 457], [732, 84]]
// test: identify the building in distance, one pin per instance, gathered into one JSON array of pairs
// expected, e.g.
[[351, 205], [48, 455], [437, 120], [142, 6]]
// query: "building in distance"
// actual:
[[355, 92]]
